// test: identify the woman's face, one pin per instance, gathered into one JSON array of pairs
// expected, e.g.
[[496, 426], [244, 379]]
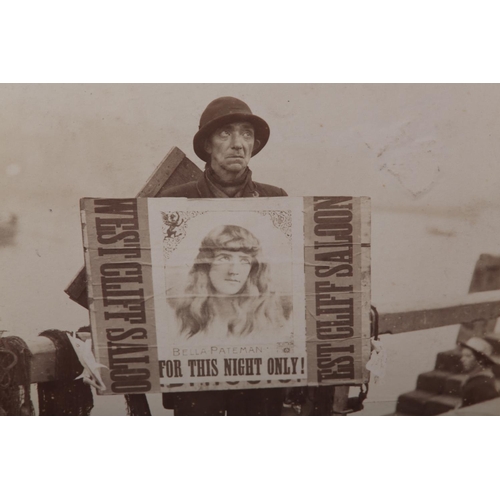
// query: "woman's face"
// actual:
[[229, 271]]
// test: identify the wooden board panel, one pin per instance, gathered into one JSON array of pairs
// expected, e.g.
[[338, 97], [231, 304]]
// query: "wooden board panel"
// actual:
[[175, 169], [473, 308], [43, 362], [486, 277]]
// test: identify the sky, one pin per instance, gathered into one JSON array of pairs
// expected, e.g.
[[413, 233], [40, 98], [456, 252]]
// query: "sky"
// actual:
[[407, 146]]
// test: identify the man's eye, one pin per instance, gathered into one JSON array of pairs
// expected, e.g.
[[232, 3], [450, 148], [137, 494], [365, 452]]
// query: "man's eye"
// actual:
[[224, 133], [248, 134]]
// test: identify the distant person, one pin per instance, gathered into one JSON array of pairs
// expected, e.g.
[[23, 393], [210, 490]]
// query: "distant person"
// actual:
[[229, 292], [477, 361]]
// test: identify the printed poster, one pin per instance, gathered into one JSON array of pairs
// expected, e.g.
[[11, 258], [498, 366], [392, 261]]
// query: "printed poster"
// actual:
[[218, 294]]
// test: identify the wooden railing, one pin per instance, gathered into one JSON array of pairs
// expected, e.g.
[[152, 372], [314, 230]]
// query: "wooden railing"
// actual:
[[480, 306]]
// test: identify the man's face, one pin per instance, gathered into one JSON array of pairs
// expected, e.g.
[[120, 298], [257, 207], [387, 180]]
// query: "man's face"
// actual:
[[230, 148], [229, 271], [469, 361]]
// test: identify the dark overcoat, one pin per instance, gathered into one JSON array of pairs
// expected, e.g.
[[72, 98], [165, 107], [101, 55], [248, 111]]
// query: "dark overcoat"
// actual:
[[479, 387]]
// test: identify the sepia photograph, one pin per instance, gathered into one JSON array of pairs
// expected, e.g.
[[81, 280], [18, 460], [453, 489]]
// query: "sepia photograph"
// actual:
[[423, 153], [261, 209]]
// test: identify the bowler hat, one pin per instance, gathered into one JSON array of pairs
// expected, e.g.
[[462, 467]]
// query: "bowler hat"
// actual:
[[482, 348], [226, 110]]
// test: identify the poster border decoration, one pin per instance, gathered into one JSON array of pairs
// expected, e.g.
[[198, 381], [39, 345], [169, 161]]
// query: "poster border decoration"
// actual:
[[117, 255]]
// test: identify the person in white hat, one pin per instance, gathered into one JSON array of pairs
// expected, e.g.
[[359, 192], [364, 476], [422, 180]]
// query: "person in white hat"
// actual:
[[477, 359]]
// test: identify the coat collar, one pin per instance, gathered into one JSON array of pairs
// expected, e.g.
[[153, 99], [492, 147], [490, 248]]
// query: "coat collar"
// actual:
[[204, 191]]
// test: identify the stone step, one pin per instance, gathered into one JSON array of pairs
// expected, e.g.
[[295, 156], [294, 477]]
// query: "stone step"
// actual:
[[449, 361], [442, 404], [433, 381], [441, 382], [413, 403], [425, 403]]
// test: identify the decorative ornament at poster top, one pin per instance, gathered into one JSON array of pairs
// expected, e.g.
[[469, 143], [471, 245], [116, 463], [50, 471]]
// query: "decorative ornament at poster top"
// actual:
[[215, 294]]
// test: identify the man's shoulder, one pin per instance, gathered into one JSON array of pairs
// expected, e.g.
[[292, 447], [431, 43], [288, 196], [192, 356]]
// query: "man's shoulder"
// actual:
[[192, 190], [188, 190], [268, 190]]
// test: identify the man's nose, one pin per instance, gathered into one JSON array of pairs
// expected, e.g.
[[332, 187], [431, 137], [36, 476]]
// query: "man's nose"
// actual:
[[237, 141]]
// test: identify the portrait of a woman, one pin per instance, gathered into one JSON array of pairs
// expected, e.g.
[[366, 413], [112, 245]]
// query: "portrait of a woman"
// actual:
[[229, 291]]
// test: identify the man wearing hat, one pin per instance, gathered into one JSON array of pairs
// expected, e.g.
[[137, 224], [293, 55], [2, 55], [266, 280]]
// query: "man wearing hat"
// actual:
[[229, 135], [477, 359]]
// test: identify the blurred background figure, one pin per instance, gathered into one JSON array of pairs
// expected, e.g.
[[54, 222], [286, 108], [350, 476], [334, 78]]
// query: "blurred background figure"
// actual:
[[477, 360], [8, 230]]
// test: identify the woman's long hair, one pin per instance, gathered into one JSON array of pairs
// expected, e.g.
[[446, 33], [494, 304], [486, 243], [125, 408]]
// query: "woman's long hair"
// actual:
[[254, 307]]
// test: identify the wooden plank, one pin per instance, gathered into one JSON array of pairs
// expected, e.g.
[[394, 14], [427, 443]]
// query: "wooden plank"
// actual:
[[162, 173], [475, 307], [175, 169], [340, 399], [77, 289], [481, 306], [185, 172], [43, 362], [487, 408], [486, 277]]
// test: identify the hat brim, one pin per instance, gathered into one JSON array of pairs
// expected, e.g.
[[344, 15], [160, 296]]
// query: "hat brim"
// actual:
[[261, 129], [495, 359]]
